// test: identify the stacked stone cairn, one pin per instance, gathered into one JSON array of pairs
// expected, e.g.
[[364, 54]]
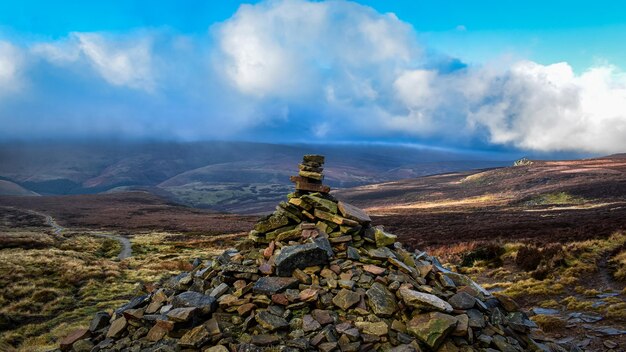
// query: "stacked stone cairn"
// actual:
[[313, 276]]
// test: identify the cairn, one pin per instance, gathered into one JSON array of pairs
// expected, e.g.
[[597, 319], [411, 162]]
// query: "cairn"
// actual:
[[315, 275]]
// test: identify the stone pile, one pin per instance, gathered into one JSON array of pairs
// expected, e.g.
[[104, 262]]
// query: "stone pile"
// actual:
[[315, 275]]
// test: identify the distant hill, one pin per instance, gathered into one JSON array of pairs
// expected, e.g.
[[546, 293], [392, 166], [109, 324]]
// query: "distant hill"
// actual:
[[8, 188], [226, 176]]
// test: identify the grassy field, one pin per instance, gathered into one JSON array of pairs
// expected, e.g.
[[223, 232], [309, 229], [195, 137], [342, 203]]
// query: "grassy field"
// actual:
[[48, 292]]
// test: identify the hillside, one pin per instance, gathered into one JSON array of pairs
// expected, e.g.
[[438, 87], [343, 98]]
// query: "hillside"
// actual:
[[237, 177], [8, 188], [547, 200]]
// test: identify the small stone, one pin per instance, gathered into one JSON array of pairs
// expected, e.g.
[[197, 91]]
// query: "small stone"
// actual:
[[264, 340], [205, 304], [82, 346], [270, 321], [381, 301], [280, 298], [68, 341], [322, 316], [424, 300], [265, 269], [310, 324], [267, 252], [308, 295], [507, 302], [117, 328], [99, 321], [271, 284], [159, 330], [462, 300], [377, 329], [353, 213], [195, 337], [218, 348], [432, 328], [302, 256], [373, 269], [346, 299], [461, 326], [384, 239], [245, 309], [219, 290], [181, 314]]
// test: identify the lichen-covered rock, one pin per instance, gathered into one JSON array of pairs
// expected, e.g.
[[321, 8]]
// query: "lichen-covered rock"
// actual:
[[301, 256], [432, 328], [381, 301]]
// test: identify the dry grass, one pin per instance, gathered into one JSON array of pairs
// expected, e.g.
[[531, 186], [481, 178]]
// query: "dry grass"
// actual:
[[52, 291]]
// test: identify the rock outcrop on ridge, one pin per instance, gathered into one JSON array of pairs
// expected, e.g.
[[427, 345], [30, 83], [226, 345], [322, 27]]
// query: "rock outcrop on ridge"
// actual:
[[313, 276]]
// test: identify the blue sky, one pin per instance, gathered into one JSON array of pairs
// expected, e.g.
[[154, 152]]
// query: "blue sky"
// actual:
[[532, 75]]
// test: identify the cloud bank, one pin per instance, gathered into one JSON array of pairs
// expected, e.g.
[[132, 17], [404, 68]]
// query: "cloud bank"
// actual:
[[290, 69]]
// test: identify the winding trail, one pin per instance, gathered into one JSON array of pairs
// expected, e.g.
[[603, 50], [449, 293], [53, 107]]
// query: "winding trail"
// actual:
[[58, 229]]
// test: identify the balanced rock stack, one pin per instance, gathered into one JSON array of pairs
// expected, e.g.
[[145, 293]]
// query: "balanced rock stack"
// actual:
[[313, 276]]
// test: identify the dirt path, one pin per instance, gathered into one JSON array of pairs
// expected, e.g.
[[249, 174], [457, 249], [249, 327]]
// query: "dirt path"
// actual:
[[58, 229]]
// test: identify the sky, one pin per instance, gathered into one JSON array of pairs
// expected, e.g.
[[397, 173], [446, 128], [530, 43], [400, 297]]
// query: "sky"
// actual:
[[538, 76]]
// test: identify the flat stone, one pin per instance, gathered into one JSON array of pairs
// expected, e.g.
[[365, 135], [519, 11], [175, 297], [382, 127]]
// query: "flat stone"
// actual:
[[309, 294], [181, 314], [205, 304], [373, 269], [159, 330], [270, 285], [321, 203], [270, 321], [462, 300], [264, 340], [423, 300], [218, 348], [383, 238], [117, 328], [381, 301], [507, 302], [99, 321], [273, 222], [378, 329], [334, 218], [301, 256], [310, 324], [322, 316], [346, 299], [354, 213], [195, 337], [432, 328], [67, 342], [219, 290], [82, 346]]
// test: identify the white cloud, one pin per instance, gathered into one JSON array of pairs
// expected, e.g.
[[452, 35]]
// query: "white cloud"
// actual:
[[328, 70], [293, 47], [11, 65], [119, 60]]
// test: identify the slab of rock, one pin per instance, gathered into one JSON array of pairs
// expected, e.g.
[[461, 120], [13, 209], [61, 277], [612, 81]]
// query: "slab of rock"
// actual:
[[383, 238], [68, 341], [195, 337], [159, 330], [272, 222], [378, 329], [205, 304], [462, 300], [99, 321], [381, 301], [304, 255], [423, 300], [180, 315], [346, 299], [270, 321], [117, 328], [432, 328], [270, 285], [354, 213]]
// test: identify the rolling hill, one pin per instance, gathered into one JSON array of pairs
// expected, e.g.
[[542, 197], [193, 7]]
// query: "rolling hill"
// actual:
[[237, 177]]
